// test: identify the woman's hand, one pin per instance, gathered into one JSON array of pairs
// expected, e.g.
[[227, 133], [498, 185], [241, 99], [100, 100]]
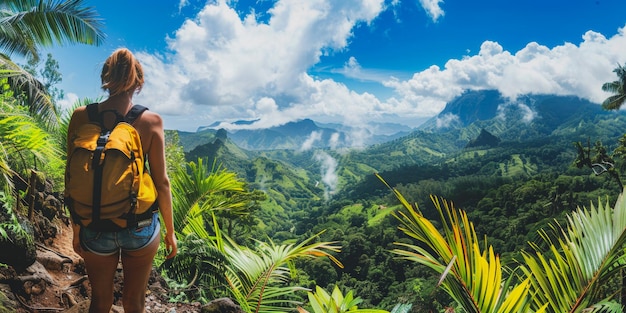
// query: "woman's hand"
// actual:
[[76, 240], [170, 245]]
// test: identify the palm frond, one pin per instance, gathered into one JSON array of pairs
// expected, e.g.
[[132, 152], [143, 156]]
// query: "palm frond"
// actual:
[[22, 138], [470, 275], [26, 24], [618, 88], [22, 82], [259, 279], [199, 190], [198, 266], [614, 102], [589, 253]]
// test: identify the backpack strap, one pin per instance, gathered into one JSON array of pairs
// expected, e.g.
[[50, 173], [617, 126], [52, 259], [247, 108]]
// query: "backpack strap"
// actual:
[[134, 113], [94, 116], [92, 112], [130, 117]]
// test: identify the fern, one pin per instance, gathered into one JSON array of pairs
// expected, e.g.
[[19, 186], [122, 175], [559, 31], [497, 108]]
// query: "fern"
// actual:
[[197, 270], [10, 228]]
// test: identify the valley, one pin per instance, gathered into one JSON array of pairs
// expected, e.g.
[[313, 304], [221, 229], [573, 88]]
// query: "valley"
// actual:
[[510, 188]]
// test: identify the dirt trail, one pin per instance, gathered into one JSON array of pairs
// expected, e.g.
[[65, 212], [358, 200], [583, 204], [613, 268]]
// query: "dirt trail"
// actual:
[[57, 282]]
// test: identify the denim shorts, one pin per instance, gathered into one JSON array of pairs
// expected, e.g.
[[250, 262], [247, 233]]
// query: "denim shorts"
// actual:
[[130, 239]]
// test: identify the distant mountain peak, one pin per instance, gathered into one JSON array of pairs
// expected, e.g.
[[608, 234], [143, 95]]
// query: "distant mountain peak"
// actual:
[[484, 139], [486, 106]]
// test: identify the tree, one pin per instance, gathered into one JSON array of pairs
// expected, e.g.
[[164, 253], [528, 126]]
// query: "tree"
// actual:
[[49, 75], [28, 25], [615, 101]]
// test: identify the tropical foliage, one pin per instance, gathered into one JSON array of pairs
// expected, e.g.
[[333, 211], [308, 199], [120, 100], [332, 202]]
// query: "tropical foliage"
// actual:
[[28, 25], [199, 192], [28, 144], [570, 276], [211, 264], [618, 89], [322, 302], [259, 278], [471, 272]]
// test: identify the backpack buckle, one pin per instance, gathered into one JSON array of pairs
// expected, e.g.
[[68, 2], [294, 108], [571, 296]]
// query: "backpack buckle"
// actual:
[[102, 140], [133, 201]]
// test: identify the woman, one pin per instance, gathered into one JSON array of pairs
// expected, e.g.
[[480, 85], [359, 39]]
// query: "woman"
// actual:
[[122, 76]]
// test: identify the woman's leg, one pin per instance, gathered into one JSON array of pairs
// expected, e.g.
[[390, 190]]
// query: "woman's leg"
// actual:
[[137, 266], [101, 272]]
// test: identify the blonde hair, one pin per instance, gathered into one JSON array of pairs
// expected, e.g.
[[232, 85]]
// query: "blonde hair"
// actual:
[[121, 73]]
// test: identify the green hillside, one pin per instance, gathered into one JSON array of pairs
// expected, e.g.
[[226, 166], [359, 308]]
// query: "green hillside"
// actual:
[[510, 190]]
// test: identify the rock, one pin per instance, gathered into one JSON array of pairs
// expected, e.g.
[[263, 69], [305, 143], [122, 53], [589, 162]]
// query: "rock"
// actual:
[[222, 305]]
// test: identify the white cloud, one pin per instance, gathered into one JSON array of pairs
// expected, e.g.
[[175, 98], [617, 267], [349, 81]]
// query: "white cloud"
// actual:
[[314, 137], [68, 101], [328, 169], [228, 63], [517, 108], [445, 120], [357, 137], [567, 69], [334, 140], [432, 8], [222, 65], [352, 69]]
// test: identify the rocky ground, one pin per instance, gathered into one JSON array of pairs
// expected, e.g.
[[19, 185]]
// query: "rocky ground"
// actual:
[[40, 273], [57, 282]]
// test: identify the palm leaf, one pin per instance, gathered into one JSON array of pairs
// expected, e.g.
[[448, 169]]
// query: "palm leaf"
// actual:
[[198, 191], [22, 138], [470, 275], [26, 24], [588, 254], [22, 82], [614, 102], [198, 265], [259, 279], [618, 88]]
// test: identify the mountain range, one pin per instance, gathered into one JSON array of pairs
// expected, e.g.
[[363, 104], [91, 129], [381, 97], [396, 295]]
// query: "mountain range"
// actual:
[[306, 134], [274, 158], [524, 118]]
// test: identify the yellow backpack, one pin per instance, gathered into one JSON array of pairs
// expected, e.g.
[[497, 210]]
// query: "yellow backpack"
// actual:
[[107, 185]]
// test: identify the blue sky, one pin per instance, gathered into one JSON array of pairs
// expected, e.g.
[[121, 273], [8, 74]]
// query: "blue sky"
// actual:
[[348, 61]]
